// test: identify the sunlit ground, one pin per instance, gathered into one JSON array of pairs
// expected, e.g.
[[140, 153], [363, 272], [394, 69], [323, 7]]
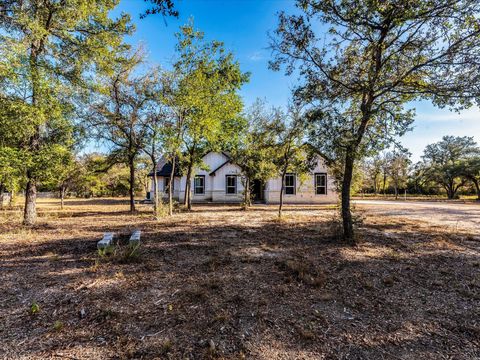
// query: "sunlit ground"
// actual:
[[224, 283]]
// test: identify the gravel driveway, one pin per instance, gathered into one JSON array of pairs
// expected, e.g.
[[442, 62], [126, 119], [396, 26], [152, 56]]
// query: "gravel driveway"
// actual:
[[453, 215]]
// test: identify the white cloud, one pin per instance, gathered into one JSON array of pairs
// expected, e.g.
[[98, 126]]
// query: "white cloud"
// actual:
[[256, 56], [444, 115]]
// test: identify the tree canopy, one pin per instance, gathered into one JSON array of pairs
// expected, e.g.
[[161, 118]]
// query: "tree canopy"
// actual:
[[48, 51], [447, 161], [375, 57]]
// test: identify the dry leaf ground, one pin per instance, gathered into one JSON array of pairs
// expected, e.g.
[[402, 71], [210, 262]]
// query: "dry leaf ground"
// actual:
[[223, 283]]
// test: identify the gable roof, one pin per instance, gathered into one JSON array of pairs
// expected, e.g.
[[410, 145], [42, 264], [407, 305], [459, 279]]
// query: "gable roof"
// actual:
[[218, 168], [164, 168], [228, 161]]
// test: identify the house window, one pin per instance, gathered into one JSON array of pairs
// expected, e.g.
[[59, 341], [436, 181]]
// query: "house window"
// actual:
[[199, 185], [231, 183], [166, 184], [290, 184], [321, 184]]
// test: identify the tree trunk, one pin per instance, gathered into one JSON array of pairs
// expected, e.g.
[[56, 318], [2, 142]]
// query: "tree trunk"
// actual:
[[477, 186], [450, 194], [2, 190], [450, 191], [396, 191], [30, 212], [282, 189], [62, 196], [170, 189], [348, 234], [155, 188], [246, 194], [12, 198], [187, 201], [131, 190]]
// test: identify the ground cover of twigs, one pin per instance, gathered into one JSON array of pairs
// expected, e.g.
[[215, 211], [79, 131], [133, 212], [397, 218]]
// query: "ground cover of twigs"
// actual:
[[222, 283]]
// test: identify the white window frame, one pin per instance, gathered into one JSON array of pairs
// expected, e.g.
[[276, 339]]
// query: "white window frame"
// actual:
[[195, 192], [317, 184], [294, 186], [231, 186]]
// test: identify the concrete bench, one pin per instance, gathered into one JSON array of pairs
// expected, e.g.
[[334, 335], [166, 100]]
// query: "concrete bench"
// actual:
[[135, 238], [106, 242]]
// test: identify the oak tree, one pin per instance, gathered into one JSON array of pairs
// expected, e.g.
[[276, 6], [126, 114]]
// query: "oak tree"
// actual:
[[49, 49], [361, 61]]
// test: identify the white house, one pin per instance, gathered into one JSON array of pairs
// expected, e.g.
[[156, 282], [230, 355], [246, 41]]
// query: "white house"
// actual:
[[223, 183]]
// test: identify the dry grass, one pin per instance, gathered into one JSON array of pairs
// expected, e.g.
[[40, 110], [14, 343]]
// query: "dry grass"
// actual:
[[221, 283]]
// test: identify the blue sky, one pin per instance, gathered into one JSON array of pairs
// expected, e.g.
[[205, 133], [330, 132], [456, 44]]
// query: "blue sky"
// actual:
[[243, 26]]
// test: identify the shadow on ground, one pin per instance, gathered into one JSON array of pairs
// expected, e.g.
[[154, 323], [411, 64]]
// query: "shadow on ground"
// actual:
[[221, 283]]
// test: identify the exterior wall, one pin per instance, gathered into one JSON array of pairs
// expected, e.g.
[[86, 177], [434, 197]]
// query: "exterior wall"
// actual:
[[215, 185], [161, 187], [219, 185], [5, 199], [305, 190]]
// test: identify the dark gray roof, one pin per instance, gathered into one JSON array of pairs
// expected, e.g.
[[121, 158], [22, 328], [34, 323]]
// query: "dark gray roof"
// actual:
[[166, 169]]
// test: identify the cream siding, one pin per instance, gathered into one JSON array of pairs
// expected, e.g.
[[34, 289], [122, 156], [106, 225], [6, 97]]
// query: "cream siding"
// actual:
[[215, 185], [305, 189]]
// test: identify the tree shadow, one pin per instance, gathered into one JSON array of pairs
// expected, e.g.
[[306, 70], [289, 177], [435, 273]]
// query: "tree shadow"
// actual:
[[276, 289]]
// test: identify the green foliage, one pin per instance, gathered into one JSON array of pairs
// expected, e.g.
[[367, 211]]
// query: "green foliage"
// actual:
[[123, 254], [254, 150], [121, 109], [11, 166], [92, 176], [204, 97], [448, 161], [470, 169], [388, 169], [375, 58], [48, 53], [57, 325], [291, 154], [398, 162], [163, 7], [34, 308]]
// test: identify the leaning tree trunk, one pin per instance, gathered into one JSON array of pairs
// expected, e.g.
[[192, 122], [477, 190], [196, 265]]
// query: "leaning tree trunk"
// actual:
[[30, 211], [131, 190], [187, 201], [348, 234], [170, 189]]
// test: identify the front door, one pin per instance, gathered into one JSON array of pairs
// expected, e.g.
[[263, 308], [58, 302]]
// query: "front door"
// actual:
[[258, 191]]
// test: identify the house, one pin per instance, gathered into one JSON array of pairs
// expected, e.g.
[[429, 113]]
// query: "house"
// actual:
[[222, 182]]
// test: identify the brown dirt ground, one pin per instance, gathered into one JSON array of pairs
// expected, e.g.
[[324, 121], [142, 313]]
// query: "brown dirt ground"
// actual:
[[220, 283]]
